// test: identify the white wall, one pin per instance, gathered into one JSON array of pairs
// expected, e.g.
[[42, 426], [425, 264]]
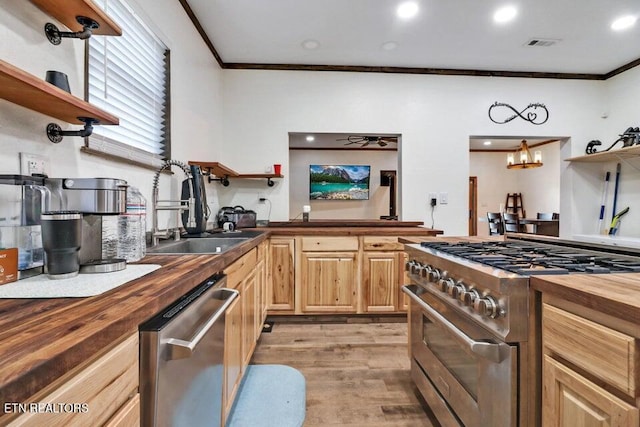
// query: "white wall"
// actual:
[[196, 99], [378, 203], [540, 187], [435, 115]]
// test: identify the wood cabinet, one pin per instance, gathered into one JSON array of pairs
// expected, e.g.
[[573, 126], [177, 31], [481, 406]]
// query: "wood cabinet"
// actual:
[[280, 289], [232, 354], [591, 368], [380, 279], [329, 282], [243, 319], [569, 400], [382, 274], [104, 390], [336, 274]]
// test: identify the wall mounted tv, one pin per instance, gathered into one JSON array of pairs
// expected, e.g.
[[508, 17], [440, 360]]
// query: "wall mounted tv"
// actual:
[[339, 182]]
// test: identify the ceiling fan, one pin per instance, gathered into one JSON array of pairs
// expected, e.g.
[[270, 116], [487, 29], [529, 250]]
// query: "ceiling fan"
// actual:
[[364, 140]]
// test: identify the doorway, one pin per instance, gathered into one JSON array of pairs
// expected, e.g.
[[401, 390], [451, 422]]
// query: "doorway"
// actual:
[[539, 186]]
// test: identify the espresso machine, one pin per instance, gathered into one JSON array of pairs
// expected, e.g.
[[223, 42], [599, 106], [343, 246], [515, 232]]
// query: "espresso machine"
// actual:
[[100, 201]]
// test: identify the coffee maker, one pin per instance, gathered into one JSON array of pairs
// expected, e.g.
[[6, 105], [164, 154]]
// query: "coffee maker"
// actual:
[[100, 201]]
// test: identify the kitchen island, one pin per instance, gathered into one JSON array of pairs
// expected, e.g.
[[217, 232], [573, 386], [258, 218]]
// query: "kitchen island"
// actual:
[[44, 341]]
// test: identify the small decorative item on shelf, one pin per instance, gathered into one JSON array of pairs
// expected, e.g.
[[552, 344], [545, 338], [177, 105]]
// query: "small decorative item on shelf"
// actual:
[[58, 79], [631, 136], [277, 169]]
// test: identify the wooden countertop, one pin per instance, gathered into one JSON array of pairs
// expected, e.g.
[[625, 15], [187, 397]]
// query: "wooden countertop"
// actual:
[[345, 223], [42, 339], [615, 294], [352, 231]]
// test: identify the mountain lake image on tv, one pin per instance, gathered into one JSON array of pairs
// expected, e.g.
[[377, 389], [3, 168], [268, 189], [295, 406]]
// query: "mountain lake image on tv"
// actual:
[[339, 182]]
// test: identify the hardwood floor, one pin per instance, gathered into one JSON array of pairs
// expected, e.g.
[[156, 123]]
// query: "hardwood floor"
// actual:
[[357, 374]]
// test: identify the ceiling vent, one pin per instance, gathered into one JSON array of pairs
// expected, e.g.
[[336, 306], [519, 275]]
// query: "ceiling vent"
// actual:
[[541, 42]]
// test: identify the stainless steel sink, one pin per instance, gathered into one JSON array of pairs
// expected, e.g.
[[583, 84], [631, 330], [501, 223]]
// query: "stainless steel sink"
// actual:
[[216, 244]]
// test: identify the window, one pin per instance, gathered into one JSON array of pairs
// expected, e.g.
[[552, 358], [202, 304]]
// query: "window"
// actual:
[[128, 76]]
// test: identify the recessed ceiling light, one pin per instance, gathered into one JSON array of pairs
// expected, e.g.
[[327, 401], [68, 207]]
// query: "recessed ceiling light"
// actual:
[[623, 23], [505, 14], [310, 138], [310, 44], [407, 10], [487, 143], [389, 45]]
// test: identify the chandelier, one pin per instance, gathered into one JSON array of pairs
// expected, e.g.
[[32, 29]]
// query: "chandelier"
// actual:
[[524, 155]]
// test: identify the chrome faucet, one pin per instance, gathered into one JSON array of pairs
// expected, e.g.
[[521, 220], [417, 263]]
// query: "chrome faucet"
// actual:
[[172, 205]]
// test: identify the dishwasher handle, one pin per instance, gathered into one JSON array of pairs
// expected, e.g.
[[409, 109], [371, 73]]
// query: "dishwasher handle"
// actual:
[[182, 349]]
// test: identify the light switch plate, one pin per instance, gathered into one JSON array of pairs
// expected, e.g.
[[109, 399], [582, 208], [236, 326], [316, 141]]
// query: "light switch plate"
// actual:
[[444, 198]]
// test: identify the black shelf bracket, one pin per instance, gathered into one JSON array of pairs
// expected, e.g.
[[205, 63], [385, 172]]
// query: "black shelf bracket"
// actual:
[[270, 182], [222, 180], [54, 35], [55, 132]]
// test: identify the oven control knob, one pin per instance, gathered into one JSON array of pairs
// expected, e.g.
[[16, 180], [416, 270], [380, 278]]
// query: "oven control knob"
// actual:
[[457, 289], [469, 297], [434, 275], [445, 284], [487, 306], [416, 267], [426, 268], [408, 265]]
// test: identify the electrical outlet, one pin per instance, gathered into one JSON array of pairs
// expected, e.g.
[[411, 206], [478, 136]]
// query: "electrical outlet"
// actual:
[[432, 196], [444, 198], [34, 163], [261, 198]]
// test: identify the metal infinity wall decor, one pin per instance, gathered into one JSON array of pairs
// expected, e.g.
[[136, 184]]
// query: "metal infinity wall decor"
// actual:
[[530, 114]]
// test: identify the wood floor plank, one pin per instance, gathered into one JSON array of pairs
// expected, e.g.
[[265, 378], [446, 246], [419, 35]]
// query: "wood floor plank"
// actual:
[[357, 374]]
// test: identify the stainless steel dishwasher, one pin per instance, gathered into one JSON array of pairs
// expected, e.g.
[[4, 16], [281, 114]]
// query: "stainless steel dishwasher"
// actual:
[[181, 358]]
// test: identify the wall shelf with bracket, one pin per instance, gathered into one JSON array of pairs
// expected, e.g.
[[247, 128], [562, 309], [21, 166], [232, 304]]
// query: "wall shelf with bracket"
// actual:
[[67, 12], [608, 156], [24, 89], [216, 171]]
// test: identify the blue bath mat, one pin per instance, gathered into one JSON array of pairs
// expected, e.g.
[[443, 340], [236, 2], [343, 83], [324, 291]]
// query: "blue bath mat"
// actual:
[[269, 396]]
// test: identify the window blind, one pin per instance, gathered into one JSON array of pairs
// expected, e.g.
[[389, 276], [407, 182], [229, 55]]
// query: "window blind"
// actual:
[[128, 77]]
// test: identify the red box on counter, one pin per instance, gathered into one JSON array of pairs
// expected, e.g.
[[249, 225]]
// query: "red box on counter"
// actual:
[[8, 265]]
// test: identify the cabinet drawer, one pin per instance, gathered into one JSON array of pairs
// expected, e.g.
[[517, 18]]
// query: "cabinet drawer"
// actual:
[[241, 268], [104, 386], [382, 243], [128, 415], [606, 353], [329, 244]]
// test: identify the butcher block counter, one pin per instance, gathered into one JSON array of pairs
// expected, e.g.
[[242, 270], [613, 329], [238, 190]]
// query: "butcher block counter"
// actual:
[[351, 228], [42, 339]]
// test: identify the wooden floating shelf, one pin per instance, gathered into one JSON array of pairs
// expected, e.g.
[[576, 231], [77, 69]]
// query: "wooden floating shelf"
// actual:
[[607, 156], [224, 173], [67, 10], [29, 91]]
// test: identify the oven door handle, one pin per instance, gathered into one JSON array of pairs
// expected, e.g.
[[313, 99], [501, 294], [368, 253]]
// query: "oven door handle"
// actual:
[[489, 351], [182, 349]]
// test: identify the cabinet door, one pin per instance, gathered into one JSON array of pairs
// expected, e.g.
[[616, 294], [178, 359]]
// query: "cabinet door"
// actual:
[[380, 281], [281, 287], [568, 400], [329, 282], [232, 352], [403, 301], [249, 335]]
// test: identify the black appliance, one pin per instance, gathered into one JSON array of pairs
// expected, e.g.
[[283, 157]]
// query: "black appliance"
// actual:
[[239, 216], [202, 210]]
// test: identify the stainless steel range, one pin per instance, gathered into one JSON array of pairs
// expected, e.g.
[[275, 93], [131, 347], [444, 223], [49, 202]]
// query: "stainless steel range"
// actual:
[[473, 323]]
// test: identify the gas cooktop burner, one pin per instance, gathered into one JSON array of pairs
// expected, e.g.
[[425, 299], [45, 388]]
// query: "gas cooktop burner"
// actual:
[[528, 258]]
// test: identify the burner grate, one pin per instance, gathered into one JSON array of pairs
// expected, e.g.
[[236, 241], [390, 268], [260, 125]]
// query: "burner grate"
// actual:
[[528, 258]]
